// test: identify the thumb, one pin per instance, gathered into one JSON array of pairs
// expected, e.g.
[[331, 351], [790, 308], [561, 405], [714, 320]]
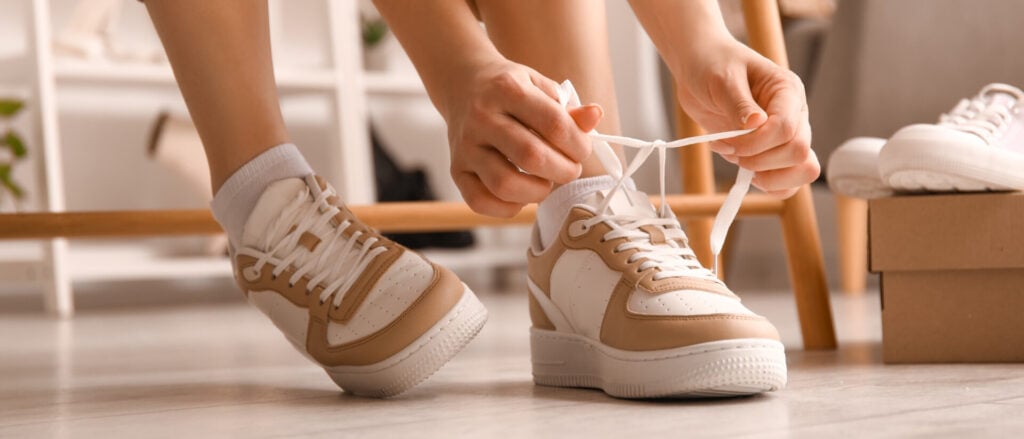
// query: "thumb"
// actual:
[[587, 116], [743, 107]]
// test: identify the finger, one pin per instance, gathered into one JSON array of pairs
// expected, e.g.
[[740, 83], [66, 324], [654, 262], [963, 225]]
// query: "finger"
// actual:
[[505, 182], [740, 104], [788, 178], [777, 131], [782, 194], [587, 116], [531, 153], [787, 111], [791, 154], [721, 147], [543, 115], [481, 200], [545, 84]]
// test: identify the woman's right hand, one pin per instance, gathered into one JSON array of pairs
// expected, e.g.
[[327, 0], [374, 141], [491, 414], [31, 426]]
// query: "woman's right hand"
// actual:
[[510, 139]]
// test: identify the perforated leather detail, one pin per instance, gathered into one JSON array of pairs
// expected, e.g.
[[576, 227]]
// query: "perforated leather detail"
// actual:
[[684, 303], [397, 288]]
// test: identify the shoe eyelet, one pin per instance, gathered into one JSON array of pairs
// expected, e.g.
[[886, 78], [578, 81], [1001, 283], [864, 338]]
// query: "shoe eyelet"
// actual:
[[291, 285], [250, 273], [578, 228]]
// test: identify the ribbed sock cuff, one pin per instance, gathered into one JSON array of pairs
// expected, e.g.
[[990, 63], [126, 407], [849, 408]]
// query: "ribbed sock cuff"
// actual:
[[236, 199]]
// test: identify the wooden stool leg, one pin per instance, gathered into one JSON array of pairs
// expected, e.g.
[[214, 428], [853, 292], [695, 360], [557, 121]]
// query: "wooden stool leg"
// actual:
[[799, 226], [698, 178], [852, 221], [807, 271]]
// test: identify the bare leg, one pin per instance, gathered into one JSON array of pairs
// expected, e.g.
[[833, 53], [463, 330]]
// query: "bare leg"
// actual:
[[565, 39], [220, 54]]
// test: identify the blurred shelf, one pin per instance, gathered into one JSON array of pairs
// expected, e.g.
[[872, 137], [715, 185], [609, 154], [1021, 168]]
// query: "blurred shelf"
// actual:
[[138, 261], [93, 262], [75, 71]]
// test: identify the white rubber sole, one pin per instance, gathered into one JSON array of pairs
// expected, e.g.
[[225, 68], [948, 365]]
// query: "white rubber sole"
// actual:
[[928, 159], [853, 169], [419, 360], [859, 186], [716, 369]]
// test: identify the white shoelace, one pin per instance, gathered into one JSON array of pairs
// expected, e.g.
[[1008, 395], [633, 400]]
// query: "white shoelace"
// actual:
[[337, 258], [983, 115], [673, 259]]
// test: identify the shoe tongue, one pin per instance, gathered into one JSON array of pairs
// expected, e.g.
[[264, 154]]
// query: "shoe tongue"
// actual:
[[269, 207], [624, 201]]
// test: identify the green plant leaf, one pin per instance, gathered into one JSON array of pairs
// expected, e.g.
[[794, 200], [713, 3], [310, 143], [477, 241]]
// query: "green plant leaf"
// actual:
[[10, 107], [5, 181], [373, 32], [16, 144]]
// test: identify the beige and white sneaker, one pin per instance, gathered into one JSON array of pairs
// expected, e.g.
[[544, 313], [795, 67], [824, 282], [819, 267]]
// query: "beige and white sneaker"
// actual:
[[619, 301], [376, 316]]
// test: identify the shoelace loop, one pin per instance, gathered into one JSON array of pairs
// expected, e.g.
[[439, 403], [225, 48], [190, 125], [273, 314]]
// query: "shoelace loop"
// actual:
[[982, 115], [336, 257], [673, 259]]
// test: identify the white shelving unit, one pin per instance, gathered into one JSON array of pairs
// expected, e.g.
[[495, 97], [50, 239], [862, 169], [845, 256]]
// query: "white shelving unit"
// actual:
[[344, 78]]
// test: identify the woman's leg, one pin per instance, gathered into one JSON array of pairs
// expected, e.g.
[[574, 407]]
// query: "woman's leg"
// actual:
[[220, 54], [303, 259], [565, 39]]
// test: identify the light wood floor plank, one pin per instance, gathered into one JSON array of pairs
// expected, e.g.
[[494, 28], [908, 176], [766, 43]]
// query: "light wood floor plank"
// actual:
[[221, 370]]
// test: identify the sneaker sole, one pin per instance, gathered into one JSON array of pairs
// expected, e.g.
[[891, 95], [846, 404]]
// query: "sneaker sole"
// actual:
[[707, 370], [942, 165], [853, 169], [860, 187], [419, 360]]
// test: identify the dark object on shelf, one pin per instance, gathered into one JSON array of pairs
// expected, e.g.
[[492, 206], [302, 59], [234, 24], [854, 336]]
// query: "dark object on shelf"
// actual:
[[394, 184]]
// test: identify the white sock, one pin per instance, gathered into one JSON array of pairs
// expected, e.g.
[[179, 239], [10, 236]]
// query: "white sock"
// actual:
[[238, 196], [551, 212]]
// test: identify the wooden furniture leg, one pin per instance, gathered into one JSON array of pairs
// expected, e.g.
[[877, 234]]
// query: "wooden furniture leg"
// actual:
[[799, 225], [852, 222]]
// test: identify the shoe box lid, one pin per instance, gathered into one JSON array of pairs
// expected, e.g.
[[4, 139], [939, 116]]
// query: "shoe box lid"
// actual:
[[943, 232]]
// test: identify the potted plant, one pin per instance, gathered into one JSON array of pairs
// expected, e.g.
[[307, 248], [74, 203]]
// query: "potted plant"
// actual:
[[377, 46], [12, 150]]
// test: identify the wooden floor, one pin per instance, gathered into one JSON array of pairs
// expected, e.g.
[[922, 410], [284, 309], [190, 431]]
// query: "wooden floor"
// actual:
[[221, 370]]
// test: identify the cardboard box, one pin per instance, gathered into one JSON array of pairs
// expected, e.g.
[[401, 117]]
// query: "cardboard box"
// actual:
[[952, 276]]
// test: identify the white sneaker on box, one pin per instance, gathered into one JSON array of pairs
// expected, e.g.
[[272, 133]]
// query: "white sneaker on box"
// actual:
[[853, 169], [979, 146]]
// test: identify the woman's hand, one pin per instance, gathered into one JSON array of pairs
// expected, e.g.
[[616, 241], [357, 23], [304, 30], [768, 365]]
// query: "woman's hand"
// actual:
[[727, 86], [510, 139]]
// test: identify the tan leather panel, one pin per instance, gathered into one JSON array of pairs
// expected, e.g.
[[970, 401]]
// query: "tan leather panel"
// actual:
[[657, 235], [539, 266], [593, 239], [624, 330], [439, 298], [537, 316], [295, 294], [309, 240]]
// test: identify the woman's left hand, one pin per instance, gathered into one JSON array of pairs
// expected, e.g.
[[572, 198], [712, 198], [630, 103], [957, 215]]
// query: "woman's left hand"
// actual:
[[727, 86]]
